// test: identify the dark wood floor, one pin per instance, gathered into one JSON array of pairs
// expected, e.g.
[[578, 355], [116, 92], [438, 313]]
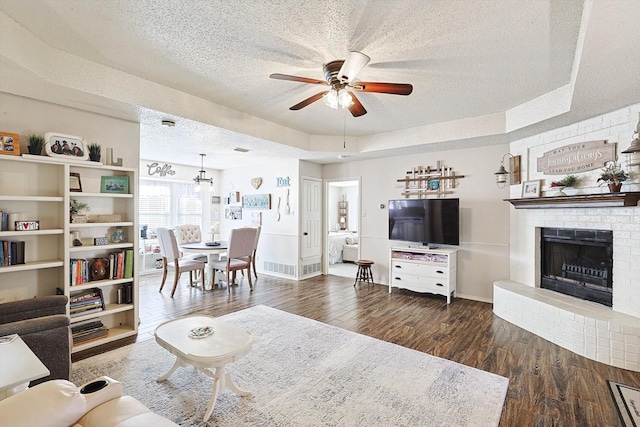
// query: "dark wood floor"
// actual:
[[549, 386]]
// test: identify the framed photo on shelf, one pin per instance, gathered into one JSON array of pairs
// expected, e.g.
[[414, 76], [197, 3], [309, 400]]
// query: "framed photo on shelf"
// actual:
[[115, 184], [65, 147], [9, 143], [531, 189], [74, 182]]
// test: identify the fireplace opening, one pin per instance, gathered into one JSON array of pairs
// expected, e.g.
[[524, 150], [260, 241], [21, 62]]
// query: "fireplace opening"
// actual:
[[578, 263]]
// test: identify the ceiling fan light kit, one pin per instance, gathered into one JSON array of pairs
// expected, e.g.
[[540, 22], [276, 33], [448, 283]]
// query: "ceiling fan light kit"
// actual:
[[340, 77], [338, 98]]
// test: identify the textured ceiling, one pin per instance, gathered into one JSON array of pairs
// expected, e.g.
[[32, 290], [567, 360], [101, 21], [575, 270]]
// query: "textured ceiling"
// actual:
[[206, 64]]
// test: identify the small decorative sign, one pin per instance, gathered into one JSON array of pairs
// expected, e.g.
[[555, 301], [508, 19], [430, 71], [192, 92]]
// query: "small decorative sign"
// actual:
[[100, 241], [283, 182], [578, 157], [27, 225], [164, 170], [257, 201]]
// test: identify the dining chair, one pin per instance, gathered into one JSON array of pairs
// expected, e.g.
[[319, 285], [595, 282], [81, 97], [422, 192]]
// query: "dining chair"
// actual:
[[253, 254], [255, 249], [190, 233], [172, 259], [239, 254]]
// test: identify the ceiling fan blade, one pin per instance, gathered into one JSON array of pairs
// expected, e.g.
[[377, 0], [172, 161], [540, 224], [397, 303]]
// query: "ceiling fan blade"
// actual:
[[352, 65], [308, 101], [391, 88], [298, 79], [356, 109]]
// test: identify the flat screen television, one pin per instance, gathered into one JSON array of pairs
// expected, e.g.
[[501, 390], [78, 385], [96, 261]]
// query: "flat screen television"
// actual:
[[427, 221]]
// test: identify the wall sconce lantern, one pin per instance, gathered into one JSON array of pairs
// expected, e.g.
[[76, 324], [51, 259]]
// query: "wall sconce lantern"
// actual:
[[634, 149], [502, 174]]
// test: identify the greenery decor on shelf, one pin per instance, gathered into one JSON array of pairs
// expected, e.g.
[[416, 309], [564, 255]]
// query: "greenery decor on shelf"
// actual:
[[75, 207], [613, 173], [567, 181], [94, 151], [36, 143]]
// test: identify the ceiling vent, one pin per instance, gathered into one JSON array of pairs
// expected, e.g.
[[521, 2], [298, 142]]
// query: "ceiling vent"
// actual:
[[241, 150], [168, 123]]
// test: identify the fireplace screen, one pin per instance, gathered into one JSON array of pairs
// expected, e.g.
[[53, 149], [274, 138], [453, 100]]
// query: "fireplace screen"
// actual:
[[578, 263]]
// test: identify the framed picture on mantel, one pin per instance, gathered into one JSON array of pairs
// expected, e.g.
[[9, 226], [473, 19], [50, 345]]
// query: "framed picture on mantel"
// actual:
[[531, 189]]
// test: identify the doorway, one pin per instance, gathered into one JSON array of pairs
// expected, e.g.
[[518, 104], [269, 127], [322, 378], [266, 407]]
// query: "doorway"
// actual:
[[342, 222]]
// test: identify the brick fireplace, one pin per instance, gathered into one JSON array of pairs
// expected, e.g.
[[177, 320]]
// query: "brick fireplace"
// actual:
[[609, 335]]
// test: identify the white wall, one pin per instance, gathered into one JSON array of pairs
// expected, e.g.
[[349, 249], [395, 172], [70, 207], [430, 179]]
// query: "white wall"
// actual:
[[484, 216], [279, 238], [26, 116]]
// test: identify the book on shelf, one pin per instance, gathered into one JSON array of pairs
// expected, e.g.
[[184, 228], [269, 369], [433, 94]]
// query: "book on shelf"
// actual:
[[90, 334], [121, 264], [84, 325], [128, 264], [4, 221], [79, 271], [85, 312], [128, 298], [12, 252], [86, 302]]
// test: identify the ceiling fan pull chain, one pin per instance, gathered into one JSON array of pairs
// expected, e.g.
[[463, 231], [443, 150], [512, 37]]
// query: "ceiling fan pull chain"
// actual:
[[344, 128]]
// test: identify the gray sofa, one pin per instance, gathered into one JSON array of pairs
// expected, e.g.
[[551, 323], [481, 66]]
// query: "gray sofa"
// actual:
[[43, 325]]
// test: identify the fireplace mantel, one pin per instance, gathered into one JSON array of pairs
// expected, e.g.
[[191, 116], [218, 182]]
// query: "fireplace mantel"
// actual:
[[604, 200]]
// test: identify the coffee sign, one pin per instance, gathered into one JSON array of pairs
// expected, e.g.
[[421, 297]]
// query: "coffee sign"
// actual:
[[578, 157]]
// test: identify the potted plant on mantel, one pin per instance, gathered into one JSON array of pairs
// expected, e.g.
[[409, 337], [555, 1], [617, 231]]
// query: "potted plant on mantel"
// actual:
[[613, 175], [36, 143]]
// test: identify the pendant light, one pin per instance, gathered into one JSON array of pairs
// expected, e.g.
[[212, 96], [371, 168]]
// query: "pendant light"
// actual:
[[202, 175]]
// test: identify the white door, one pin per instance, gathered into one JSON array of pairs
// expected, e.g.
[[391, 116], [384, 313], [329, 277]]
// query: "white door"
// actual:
[[311, 242]]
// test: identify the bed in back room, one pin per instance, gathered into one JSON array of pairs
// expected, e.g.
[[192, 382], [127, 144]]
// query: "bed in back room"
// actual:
[[343, 246]]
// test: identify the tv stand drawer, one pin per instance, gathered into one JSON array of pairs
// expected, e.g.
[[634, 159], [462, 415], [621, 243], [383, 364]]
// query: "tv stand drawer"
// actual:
[[417, 269], [420, 284]]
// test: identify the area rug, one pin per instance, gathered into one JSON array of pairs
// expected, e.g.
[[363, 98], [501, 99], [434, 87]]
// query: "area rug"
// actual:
[[627, 401], [307, 373]]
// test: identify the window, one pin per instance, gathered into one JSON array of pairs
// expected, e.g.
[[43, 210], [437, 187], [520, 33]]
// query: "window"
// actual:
[[189, 209], [168, 204]]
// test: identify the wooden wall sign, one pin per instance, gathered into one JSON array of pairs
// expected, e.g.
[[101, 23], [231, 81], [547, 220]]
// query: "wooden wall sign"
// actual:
[[426, 181], [579, 157]]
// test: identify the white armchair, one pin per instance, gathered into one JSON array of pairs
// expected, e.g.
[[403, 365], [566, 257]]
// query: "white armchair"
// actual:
[[60, 403]]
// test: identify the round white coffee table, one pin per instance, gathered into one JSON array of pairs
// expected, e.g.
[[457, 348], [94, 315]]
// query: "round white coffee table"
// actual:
[[226, 344]]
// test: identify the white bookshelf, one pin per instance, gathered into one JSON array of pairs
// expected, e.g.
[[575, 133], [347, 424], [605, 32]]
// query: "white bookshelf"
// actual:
[[39, 189]]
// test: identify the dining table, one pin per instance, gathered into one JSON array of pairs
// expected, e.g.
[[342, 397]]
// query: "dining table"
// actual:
[[213, 252]]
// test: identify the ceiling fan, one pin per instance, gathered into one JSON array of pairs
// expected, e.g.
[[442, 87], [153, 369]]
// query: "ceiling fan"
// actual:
[[340, 77]]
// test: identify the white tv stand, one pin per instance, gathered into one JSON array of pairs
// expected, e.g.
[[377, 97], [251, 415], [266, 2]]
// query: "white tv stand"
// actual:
[[421, 269]]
